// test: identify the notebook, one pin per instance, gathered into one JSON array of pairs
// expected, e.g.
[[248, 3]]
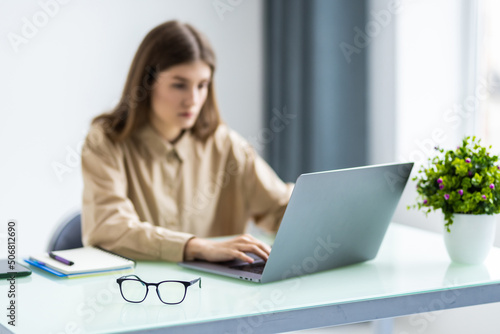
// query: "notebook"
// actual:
[[86, 261]]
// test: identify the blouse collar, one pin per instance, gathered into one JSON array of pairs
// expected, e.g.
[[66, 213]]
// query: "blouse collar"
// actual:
[[160, 147]]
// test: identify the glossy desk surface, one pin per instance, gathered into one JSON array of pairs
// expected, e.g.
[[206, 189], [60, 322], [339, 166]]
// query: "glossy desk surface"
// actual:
[[411, 264]]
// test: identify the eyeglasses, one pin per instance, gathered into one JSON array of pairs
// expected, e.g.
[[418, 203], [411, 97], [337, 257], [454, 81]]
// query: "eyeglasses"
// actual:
[[135, 290]]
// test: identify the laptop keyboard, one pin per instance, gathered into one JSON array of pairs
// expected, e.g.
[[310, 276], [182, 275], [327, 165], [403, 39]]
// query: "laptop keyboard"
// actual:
[[256, 268]]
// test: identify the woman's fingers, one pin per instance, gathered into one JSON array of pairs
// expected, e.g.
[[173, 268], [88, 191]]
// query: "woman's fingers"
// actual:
[[249, 244], [242, 256], [227, 250], [247, 238], [255, 249]]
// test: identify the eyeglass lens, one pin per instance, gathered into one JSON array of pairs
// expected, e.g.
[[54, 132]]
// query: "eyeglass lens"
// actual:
[[133, 290], [169, 292]]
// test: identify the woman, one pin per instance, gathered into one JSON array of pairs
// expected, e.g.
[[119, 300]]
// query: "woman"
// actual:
[[161, 172]]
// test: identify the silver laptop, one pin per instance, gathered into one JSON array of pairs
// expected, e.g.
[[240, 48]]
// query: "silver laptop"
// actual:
[[333, 219]]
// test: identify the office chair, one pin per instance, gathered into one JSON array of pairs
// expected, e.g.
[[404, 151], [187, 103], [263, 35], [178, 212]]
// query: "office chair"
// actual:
[[67, 235]]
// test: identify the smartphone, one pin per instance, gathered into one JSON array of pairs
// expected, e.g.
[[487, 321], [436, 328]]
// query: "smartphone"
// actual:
[[7, 272]]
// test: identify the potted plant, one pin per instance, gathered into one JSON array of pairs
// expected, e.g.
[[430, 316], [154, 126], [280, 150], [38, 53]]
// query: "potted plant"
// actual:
[[465, 184]]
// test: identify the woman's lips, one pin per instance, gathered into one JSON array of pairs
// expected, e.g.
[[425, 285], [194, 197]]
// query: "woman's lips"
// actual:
[[187, 114]]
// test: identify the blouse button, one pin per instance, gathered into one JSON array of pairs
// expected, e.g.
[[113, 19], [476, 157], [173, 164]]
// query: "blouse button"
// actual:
[[170, 156]]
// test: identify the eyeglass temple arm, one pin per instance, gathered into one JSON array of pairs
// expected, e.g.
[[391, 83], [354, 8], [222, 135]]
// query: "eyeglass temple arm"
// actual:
[[196, 280], [123, 277]]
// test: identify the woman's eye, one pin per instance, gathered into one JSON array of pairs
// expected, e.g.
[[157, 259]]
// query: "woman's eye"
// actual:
[[184, 86], [179, 86]]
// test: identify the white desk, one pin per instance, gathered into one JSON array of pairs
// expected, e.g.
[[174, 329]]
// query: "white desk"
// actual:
[[411, 274]]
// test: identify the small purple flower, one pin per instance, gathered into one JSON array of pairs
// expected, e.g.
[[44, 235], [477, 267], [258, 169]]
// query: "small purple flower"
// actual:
[[498, 167], [425, 202], [441, 186], [492, 186], [458, 147], [460, 192], [484, 197], [470, 173], [446, 196], [467, 160], [440, 180]]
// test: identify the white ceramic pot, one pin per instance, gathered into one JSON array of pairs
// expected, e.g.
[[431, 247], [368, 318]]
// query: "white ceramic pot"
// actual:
[[470, 238]]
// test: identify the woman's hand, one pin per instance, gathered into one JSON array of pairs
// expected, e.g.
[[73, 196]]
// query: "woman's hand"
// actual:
[[216, 251]]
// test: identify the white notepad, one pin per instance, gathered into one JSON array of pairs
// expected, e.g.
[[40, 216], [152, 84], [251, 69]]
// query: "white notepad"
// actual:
[[86, 260]]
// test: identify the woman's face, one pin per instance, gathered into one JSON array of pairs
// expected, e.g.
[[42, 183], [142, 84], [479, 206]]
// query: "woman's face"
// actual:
[[178, 96]]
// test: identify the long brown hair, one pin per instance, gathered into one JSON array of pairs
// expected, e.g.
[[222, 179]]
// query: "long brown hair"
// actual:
[[169, 44]]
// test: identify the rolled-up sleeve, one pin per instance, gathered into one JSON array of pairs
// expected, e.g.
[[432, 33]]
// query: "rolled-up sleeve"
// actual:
[[109, 219]]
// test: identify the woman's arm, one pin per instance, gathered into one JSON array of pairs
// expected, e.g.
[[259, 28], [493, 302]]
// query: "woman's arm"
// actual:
[[267, 195], [109, 218], [266, 199]]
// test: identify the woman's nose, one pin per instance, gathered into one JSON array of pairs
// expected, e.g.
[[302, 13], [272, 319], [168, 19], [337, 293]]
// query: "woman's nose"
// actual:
[[192, 97]]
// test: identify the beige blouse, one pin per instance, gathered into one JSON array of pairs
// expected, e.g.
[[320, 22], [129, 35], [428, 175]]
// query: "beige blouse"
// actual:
[[145, 198]]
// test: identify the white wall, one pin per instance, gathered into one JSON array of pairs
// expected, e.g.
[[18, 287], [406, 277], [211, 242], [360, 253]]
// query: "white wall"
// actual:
[[74, 68], [420, 86], [415, 78], [429, 83], [434, 86], [423, 52]]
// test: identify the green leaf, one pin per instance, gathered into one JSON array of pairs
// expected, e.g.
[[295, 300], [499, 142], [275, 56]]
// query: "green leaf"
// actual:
[[476, 180]]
